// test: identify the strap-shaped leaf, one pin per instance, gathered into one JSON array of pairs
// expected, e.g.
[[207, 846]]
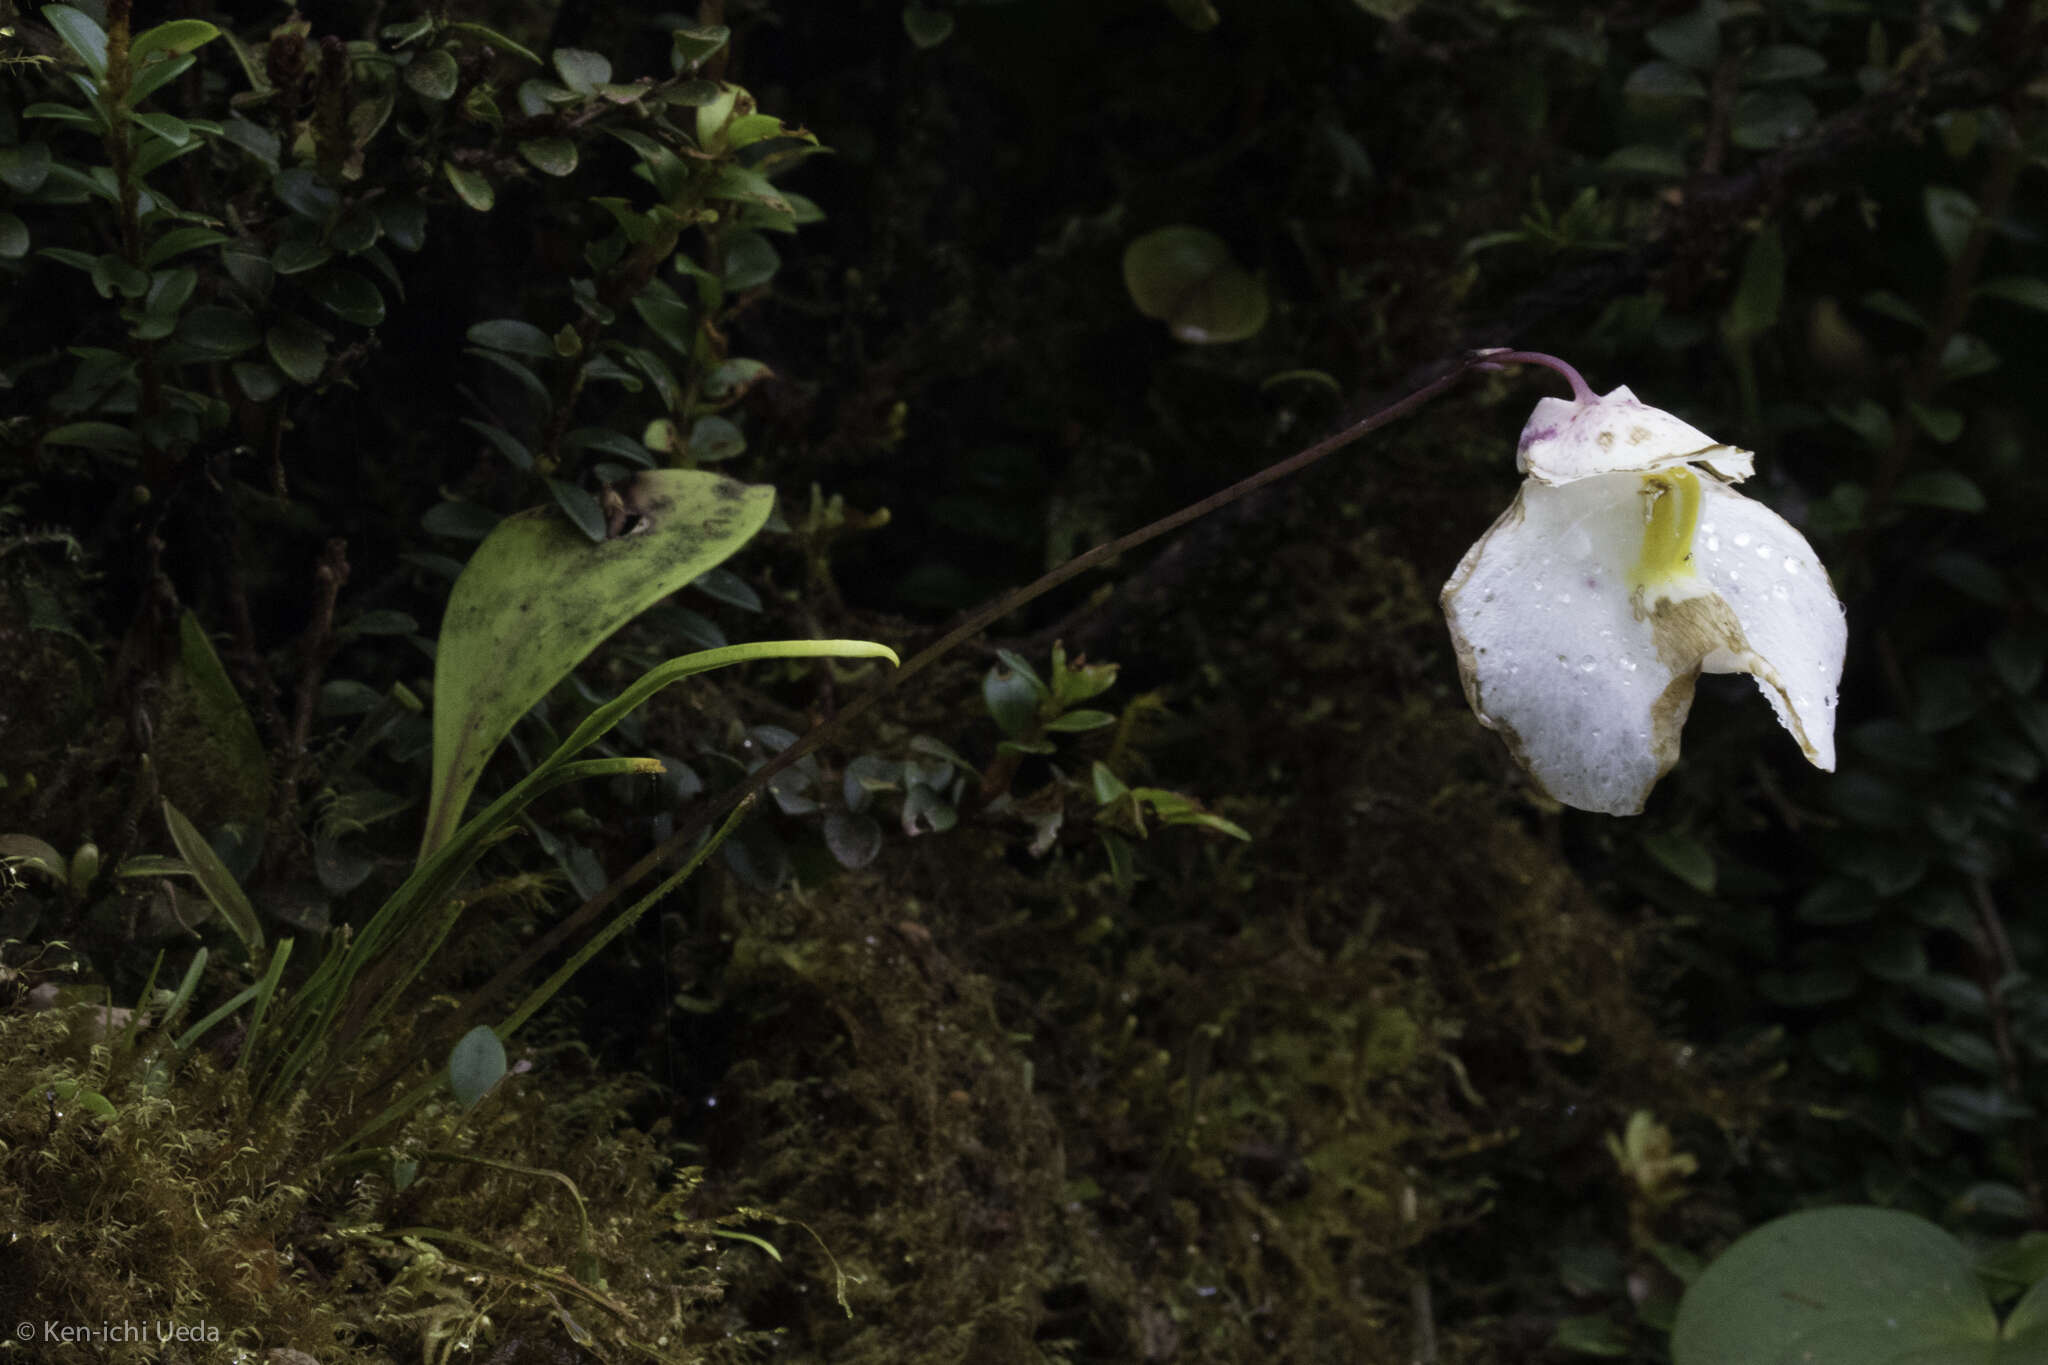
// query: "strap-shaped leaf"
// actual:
[[538, 597], [215, 880]]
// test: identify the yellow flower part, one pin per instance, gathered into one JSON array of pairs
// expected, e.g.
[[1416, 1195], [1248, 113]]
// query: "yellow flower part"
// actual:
[[1624, 569], [1670, 520]]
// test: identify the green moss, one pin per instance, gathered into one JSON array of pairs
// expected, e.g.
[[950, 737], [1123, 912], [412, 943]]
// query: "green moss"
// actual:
[[182, 1209]]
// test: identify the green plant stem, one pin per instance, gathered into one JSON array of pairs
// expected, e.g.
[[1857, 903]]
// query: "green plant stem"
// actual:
[[977, 621]]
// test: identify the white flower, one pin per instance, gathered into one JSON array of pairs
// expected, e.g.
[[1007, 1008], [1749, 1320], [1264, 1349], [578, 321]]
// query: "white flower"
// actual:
[[1626, 568]]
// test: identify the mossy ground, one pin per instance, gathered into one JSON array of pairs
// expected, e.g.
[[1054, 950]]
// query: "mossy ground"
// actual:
[[1262, 1108], [1327, 1097]]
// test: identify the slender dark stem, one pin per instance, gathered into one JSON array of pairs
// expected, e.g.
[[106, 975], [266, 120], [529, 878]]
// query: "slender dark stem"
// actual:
[[1582, 392], [314, 649], [687, 834]]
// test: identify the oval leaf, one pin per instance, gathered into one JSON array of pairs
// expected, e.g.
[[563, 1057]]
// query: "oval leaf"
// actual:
[[433, 75], [298, 348], [1185, 277], [475, 1065], [854, 840], [1841, 1286], [538, 597], [349, 296], [470, 187], [80, 34], [550, 155], [927, 27], [510, 334]]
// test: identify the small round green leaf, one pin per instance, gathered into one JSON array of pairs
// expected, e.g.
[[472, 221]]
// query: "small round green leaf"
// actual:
[[713, 439], [750, 261], [476, 1064], [297, 256], [550, 155], [305, 194], [926, 27], [1011, 698], [853, 840], [259, 382], [1185, 277], [25, 167], [298, 348], [582, 71], [13, 237], [348, 296], [219, 331], [472, 188], [510, 334], [433, 75]]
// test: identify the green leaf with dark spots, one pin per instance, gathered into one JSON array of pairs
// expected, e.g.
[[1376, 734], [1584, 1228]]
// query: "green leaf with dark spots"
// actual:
[[538, 597]]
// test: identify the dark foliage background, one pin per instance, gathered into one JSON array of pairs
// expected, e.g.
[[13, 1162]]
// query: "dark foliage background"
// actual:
[[1043, 1075]]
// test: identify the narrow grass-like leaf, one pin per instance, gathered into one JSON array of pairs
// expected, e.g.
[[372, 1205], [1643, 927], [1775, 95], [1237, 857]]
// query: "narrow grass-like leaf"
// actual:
[[215, 880], [205, 1025], [183, 996], [265, 989]]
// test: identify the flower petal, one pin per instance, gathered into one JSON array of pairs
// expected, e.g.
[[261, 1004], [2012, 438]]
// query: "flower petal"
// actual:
[[1553, 654], [1566, 440], [1791, 622]]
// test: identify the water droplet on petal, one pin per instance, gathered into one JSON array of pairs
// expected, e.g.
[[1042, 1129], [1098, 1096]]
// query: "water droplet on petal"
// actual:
[[1588, 664], [1792, 565], [1742, 538], [1707, 526], [1714, 543], [1763, 552], [1780, 591], [1565, 598]]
